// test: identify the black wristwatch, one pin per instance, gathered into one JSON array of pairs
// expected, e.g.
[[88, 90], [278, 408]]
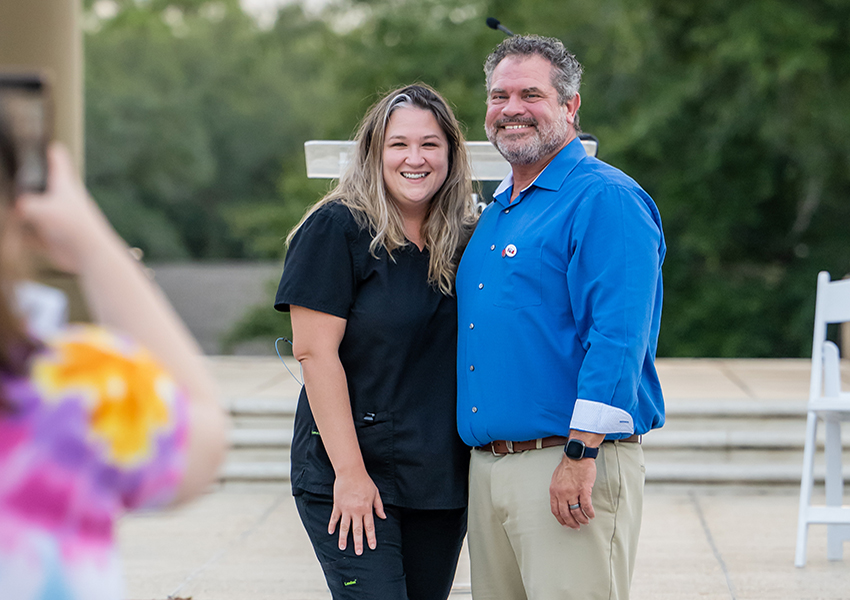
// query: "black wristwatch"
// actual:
[[576, 450]]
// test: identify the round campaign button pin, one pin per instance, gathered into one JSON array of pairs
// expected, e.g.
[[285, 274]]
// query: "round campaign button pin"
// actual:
[[510, 251]]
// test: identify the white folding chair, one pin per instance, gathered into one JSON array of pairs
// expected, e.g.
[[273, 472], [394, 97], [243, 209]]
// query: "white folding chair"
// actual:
[[829, 403]]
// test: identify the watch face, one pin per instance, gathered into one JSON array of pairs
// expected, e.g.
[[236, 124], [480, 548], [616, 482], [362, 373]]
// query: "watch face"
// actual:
[[574, 449]]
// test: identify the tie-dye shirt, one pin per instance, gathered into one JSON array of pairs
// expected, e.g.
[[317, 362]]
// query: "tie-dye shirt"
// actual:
[[97, 429]]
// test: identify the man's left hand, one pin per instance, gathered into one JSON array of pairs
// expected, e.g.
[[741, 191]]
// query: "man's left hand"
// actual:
[[572, 483]]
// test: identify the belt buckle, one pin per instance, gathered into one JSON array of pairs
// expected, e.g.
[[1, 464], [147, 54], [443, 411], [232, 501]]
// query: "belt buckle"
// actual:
[[508, 443]]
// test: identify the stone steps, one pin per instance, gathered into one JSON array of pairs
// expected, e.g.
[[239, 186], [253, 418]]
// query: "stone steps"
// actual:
[[710, 439], [703, 441]]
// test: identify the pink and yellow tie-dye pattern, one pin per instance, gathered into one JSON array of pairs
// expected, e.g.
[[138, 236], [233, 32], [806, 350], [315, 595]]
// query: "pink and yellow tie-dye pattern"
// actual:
[[98, 428], [130, 396]]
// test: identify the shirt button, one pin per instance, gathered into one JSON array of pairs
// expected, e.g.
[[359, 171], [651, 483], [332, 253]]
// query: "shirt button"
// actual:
[[474, 409], [480, 286], [471, 367], [472, 325], [507, 210], [493, 247]]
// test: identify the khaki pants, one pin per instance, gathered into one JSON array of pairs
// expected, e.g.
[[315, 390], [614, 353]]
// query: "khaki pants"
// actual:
[[519, 551]]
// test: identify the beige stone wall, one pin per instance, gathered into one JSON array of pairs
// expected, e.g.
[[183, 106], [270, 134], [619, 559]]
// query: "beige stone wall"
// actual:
[[45, 35]]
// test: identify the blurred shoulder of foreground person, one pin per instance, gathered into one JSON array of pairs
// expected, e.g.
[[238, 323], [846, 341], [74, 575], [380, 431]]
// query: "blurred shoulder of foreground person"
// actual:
[[94, 420]]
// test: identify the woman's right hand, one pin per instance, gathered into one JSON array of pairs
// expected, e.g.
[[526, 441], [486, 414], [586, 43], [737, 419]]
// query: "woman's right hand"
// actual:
[[355, 499]]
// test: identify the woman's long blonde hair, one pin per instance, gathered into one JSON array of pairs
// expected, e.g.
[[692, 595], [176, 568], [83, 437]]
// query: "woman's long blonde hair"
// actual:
[[451, 214]]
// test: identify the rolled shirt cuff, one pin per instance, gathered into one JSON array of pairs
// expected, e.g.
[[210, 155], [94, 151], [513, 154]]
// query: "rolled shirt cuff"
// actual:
[[596, 417]]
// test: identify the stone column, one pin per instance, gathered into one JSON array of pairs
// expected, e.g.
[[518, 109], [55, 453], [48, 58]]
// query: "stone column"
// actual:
[[45, 35]]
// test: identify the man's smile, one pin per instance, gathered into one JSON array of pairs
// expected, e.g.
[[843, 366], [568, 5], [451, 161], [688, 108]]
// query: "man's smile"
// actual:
[[516, 125]]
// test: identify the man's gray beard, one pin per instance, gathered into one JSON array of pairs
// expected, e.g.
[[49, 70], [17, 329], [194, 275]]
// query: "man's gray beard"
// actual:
[[547, 141]]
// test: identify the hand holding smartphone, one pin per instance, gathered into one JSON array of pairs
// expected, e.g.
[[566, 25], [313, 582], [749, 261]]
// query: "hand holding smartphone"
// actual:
[[25, 104]]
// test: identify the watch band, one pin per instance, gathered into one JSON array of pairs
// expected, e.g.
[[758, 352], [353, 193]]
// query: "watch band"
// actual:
[[577, 450]]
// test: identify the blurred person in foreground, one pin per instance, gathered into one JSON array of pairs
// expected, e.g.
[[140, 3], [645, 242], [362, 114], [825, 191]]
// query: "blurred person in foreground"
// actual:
[[369, 281], [95, 420], [559, 302]]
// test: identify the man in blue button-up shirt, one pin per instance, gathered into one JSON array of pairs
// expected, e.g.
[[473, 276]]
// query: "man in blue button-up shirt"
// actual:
[[559, 305]]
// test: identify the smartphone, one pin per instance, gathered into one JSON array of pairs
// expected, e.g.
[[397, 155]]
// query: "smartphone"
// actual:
[[25, 106]]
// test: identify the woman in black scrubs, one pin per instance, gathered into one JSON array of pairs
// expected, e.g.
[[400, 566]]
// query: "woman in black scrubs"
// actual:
[[369, 280]]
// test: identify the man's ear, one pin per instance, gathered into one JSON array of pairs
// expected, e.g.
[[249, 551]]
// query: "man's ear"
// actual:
[[571, 108]]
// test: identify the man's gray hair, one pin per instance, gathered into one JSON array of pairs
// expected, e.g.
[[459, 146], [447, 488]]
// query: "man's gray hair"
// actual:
[[566, 72]]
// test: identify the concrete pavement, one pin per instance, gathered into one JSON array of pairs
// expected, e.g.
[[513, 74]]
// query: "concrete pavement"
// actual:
[[244, 541]]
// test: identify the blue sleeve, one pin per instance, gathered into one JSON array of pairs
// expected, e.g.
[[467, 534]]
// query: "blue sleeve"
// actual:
[[614, 279]]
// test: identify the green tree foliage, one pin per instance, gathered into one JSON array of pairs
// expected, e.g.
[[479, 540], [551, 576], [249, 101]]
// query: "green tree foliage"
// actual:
[[733, 115], [741, 134], [195, 120]]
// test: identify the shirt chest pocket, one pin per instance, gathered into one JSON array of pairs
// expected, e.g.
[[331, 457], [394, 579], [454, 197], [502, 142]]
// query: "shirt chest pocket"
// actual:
[[519, 278]]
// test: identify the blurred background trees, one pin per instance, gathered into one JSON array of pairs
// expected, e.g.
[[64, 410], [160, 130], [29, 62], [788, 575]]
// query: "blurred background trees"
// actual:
[[732, 115]]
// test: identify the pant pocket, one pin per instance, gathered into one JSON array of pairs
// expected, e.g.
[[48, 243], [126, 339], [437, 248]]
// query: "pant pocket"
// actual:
[[340, 575], [606, 489]]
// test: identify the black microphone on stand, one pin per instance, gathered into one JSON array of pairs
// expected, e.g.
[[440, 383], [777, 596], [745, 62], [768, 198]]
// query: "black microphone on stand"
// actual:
[[493, 23]]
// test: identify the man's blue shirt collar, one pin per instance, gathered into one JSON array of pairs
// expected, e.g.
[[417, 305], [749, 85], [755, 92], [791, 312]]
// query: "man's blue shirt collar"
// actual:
[[550, 178]]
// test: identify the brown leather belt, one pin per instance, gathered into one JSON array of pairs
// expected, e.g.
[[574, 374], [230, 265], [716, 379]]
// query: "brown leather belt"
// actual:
[[501, 447]]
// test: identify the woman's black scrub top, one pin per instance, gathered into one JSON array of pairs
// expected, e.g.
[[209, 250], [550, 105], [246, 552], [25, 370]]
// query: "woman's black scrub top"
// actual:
[[398, 352]]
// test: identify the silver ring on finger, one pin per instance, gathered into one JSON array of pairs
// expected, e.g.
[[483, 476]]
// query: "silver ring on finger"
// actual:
[[575, 506]]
